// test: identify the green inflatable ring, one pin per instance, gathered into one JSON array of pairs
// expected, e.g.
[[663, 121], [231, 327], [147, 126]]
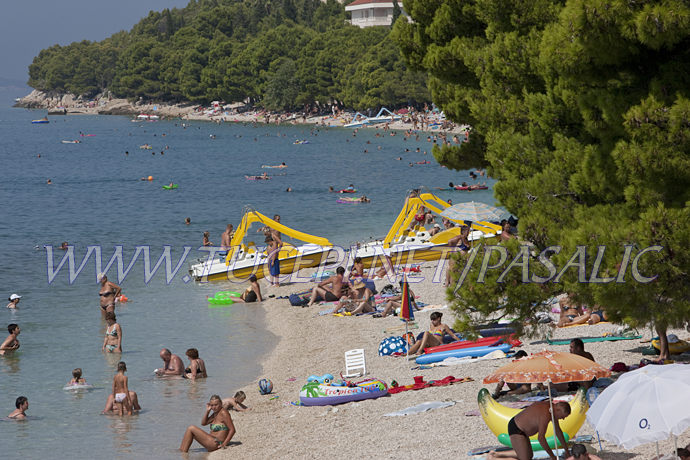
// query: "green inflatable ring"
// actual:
[[504, 439], [215, 301], [225, 294]]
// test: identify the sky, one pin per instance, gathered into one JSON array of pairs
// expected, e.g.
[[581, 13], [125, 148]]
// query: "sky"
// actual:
[[28, 26]]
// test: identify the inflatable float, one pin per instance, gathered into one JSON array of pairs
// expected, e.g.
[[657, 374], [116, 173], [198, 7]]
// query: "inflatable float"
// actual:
[[496, 330], [322, 394], [146, 147], [473, 352], [223, 298], [674, 348], [482, 342], [78, 387], [170, 187], [257, 177], [496, 416], [42, 120], [347, 190], [70, 142], [346, 199]]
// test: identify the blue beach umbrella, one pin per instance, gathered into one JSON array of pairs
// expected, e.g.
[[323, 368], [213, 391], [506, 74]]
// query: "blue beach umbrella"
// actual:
[[472, 211]]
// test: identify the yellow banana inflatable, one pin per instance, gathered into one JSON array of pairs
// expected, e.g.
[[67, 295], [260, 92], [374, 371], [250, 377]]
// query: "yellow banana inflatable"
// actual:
[[496, 415]]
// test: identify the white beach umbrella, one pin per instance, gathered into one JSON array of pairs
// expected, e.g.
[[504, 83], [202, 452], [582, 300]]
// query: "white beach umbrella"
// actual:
[[472, 211], [645, 405]]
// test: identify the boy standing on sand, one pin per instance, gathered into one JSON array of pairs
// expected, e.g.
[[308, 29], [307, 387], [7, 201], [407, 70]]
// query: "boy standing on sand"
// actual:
[[121, 391]]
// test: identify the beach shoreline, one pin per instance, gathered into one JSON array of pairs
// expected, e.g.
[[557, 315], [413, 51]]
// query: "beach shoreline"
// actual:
[[67, 104], [308, 343]]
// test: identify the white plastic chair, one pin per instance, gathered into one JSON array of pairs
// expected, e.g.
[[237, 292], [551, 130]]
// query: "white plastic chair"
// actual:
[[355, 364]]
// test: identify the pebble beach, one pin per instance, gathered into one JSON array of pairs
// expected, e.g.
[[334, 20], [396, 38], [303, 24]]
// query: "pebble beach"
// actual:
[[312, 344]]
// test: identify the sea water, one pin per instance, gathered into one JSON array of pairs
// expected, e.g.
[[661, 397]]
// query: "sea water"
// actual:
[[98, 199]]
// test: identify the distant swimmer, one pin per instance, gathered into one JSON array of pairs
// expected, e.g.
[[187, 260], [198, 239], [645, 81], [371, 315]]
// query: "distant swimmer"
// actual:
[[206, 241], [289, 189], [49, 182], [14, 300], [22, 405], [331, 189], [188, 221], [11, 343], [282, 165], [64, 246]]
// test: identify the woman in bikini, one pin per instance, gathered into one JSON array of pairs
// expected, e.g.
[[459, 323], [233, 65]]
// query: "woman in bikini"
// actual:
[[112, 343], [108, 294], [220, 424], [197, 367], [434, 336]]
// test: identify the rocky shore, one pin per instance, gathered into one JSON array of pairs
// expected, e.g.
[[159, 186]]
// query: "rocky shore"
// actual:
[[105, 104]]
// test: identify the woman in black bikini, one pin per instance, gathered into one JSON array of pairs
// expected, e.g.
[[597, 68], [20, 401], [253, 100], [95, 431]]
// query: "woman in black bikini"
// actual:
[[197, 367], [108, 294]]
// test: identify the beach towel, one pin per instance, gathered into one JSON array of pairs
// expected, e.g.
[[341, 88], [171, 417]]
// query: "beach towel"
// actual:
[[537, 454], [608, 338], [419, 408], [585, 324]]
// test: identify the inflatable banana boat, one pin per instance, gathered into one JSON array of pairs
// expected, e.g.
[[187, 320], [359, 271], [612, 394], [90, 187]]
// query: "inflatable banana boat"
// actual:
[[496, 416]]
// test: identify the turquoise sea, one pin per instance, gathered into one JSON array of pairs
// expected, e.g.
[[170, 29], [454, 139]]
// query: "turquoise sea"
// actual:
[[97, 198]]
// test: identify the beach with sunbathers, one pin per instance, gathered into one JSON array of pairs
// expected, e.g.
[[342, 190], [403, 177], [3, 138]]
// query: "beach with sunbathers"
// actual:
[[310, 343]]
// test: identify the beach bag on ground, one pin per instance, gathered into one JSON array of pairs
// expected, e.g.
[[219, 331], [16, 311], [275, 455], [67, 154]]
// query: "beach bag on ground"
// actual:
[[297, 301]]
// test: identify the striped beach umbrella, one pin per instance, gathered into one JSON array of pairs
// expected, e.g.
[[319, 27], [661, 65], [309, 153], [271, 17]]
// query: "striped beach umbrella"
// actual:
[[473, 212]]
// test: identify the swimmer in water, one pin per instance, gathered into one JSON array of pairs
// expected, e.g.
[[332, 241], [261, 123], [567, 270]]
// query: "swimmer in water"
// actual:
[[49, 182], [22, 405], [14, 300], [108, 293], [112, 343], [11, 343], [64, 245], [77, 379]]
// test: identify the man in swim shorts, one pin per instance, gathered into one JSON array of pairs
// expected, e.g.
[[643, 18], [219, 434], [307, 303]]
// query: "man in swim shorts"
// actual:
[[173, 364], [332, 294], [22, 405], [530, 421]]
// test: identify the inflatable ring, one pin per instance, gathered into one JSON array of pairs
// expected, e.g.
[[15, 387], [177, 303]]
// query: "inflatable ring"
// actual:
[[504, 439]]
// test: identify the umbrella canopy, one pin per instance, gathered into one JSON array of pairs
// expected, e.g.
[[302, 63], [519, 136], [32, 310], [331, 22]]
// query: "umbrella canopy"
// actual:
[[472, 211], [646, 405], [550, 366], [406, 310]]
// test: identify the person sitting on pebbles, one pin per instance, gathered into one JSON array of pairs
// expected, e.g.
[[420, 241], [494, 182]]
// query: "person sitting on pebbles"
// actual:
[[434, 336], [360, 299]]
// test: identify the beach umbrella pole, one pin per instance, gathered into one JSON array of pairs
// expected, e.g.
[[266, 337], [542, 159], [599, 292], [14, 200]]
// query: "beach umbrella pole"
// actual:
[[553, 419]]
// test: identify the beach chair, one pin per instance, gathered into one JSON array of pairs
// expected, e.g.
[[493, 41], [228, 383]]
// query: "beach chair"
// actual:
[[355, 364]]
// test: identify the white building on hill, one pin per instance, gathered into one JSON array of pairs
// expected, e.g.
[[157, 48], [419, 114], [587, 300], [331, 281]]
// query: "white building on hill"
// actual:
[[367, 13]]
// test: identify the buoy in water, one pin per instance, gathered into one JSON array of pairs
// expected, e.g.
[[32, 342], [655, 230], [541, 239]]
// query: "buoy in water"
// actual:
[[150, 178]]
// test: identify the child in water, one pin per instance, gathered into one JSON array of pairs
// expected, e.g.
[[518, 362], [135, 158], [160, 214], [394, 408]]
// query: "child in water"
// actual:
[[121, 391], [77, 379], [236, 402]]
